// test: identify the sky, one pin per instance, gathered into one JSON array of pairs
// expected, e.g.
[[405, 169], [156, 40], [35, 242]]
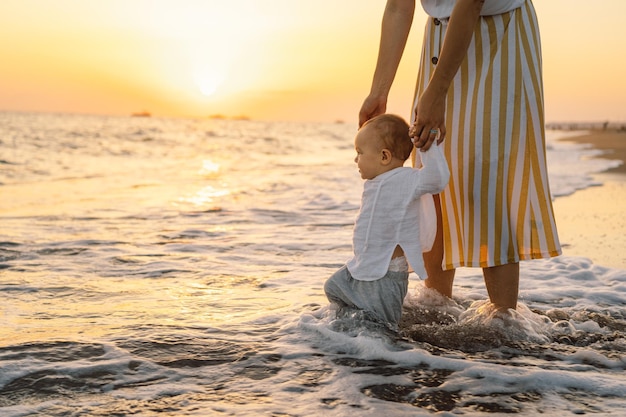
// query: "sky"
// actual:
[[300, 60]]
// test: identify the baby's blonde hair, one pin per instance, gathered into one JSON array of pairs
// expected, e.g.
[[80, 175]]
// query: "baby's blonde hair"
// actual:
[[393, 132]]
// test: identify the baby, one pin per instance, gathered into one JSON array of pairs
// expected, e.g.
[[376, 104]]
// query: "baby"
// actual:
[[396, 221]]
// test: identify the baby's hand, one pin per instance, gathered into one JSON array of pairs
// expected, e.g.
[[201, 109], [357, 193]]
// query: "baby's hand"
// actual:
[[413, 134]]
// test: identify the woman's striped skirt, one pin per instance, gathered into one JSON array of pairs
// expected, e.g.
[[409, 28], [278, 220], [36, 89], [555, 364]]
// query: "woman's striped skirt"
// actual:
[[497, 208]]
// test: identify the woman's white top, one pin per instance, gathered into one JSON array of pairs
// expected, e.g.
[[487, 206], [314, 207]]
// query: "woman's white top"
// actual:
[[442, 9]]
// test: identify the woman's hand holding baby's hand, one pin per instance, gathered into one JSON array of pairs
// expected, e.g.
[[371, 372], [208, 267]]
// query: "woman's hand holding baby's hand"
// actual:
[[429, 122], [424, 144]]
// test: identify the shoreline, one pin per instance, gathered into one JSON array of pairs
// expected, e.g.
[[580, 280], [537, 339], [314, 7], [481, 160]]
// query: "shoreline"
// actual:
[[591, 222], [611, 142]]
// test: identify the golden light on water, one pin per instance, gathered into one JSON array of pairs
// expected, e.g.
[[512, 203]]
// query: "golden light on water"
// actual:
[[209, 168], [205, 196], [208, 195]]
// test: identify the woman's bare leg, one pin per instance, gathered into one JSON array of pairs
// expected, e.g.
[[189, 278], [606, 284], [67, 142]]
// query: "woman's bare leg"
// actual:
[[503, 285], [438, 279], [502, 281]]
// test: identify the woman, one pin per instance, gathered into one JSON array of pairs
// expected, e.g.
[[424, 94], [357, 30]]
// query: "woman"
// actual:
[[480, 88]]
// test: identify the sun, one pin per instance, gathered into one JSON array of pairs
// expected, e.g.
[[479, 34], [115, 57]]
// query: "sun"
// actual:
[[208, 82]]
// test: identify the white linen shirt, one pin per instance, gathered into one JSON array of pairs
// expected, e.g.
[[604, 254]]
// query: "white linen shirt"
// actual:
[[443, 8], [394, 213]]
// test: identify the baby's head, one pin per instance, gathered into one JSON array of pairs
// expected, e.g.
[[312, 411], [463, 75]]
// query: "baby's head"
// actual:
[[382, 144]]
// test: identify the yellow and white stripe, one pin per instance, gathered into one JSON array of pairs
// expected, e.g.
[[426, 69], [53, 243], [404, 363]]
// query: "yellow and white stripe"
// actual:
[[497, 207]]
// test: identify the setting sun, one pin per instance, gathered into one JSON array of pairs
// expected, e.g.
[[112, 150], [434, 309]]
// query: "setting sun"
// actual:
[[207, 82]]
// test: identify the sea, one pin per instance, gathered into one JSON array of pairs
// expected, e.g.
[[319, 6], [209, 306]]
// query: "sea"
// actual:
[[175, 267]]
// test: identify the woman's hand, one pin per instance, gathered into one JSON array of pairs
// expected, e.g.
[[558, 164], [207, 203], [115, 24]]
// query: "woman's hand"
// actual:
[[429, 122], [372, 107]]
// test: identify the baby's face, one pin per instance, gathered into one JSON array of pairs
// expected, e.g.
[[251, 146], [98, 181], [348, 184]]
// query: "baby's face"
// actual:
[[368, 153]]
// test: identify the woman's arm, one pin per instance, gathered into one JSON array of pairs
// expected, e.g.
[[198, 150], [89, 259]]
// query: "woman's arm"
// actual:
[[397, 20], [430, 111]]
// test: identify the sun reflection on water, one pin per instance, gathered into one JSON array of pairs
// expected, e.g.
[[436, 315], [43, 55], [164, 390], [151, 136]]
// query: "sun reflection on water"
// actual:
[[206, 195], [209, 193], [209, 168]]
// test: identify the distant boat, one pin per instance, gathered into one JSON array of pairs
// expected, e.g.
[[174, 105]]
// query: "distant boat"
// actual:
[[141, 114]]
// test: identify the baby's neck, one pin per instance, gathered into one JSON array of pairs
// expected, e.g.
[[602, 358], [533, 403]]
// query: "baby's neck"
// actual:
[[396, 163], [387, 169]]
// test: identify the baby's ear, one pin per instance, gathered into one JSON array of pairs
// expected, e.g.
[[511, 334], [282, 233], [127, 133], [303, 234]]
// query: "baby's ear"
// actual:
[[386, 156]]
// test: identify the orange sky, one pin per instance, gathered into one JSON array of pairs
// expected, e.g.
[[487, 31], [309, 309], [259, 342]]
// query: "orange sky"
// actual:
[[268, 59]]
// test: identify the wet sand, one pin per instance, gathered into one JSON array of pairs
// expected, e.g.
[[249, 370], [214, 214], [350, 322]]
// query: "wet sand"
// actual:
[[612, 143], [592, 222]]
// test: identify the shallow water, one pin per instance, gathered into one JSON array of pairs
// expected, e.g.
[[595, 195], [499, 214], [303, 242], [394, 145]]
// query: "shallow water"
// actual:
[[175, 267]]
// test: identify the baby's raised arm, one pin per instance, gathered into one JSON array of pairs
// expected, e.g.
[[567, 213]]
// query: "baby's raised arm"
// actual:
[[434, 173]]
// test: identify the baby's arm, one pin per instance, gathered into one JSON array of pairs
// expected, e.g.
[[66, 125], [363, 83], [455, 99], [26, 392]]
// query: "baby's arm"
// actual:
[[434, 173]]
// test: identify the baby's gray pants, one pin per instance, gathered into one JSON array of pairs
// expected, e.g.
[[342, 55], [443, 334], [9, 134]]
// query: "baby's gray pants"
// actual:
[[382, 297]]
